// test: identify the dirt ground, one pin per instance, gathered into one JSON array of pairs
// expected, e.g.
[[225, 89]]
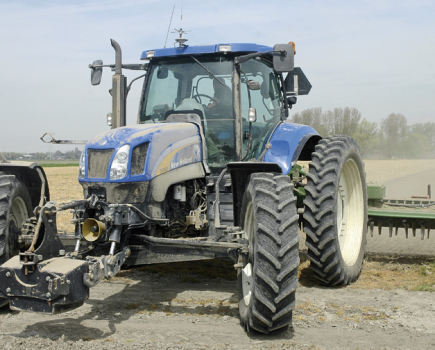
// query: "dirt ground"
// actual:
[[185, 306]]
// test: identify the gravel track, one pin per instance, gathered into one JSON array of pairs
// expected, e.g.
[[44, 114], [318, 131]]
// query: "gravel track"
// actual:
[[142, 309], [150, 311]]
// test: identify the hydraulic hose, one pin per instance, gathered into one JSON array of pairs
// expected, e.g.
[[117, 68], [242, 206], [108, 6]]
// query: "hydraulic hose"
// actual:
[[41, 205]]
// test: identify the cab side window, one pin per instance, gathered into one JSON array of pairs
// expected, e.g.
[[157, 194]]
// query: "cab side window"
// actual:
[[267, 102]]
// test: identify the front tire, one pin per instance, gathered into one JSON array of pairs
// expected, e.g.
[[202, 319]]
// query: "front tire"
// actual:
[[15, 207], [335, 217], [267, 284]]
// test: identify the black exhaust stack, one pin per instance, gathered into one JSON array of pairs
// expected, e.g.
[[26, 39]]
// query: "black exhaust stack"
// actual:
[[119, 84]]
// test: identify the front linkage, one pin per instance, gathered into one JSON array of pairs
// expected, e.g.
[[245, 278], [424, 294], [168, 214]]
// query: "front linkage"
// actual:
[[48, 279]]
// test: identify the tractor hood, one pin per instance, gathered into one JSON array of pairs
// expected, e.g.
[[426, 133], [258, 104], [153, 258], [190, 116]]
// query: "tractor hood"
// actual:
[[154, 149]]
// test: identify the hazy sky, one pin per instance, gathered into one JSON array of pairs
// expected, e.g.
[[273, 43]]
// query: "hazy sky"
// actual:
[[376, 56]]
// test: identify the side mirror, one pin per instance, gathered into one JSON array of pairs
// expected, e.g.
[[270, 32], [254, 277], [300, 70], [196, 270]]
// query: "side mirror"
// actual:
[[283, 58], [96, 72]]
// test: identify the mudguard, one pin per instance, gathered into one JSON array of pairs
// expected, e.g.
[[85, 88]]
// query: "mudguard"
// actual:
[[29, 174], [291, 142]]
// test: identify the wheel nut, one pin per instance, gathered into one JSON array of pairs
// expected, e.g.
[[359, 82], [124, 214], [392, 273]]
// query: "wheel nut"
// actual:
[[48, 295], [8, 290], [47, 278], [8, 274]]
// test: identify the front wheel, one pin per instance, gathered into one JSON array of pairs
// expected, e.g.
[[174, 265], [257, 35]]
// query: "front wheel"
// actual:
[[267, 284], [335, 217]]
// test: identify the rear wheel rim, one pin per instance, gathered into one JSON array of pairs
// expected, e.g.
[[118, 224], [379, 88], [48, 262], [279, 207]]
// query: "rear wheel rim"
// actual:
[[17, 216], [247, 271], [350, 212], [18, 213]]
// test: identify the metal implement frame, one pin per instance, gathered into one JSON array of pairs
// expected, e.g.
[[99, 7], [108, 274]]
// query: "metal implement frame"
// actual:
[[414, 214]]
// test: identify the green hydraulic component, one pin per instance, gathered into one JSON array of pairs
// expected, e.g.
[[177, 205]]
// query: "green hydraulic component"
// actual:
[[415, 214], [297, 175], [409, 214]]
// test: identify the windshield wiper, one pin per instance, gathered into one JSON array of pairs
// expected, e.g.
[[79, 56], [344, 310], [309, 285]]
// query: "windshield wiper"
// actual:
[[207, 70]]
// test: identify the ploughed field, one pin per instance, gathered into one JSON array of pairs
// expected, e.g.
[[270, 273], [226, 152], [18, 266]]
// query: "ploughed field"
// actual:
[[194, 305]]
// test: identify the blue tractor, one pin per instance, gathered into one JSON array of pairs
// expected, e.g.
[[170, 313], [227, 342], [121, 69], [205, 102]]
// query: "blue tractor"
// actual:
[[208, 172]]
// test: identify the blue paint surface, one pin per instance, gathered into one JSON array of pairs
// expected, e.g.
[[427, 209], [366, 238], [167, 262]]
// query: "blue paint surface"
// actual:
[[206, 49], [163, 138], [285, 139]]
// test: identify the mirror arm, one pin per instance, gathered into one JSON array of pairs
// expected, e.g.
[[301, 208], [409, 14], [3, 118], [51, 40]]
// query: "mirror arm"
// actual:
[[244, 58], [125, 66], [101, 65], [247, 57], [129, 85]]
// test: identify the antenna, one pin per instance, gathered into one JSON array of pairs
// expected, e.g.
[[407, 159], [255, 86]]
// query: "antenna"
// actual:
[[180, 40], [169, 27]]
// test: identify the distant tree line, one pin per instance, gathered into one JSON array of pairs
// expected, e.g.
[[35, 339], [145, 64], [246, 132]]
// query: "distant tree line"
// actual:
[[392, 138], [57, 155]]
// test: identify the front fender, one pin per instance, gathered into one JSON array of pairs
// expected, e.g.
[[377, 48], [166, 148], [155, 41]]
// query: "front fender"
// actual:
[[27, 173], [290, 143]]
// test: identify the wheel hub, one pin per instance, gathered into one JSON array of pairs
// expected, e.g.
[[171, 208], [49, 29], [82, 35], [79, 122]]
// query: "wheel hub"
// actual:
[[17, 216], [247, 283]]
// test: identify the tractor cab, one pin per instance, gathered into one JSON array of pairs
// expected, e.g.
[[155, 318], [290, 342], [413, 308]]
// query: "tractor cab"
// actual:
[[238, 100]]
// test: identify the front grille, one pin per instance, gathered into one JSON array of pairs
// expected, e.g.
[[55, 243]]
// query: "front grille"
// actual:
[[98, 162], [138, 158]]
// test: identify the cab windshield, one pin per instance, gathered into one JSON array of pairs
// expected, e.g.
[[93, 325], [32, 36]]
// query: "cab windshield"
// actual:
[[182, 85]]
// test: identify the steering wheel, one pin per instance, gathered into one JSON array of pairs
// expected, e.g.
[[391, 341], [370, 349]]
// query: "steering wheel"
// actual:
[[197, 98]]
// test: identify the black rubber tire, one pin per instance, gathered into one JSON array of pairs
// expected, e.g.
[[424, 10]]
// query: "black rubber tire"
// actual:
[[270, 220], [15, 207], [335, 217]]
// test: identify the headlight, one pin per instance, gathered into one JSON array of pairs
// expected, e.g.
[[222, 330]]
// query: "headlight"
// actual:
[[82, 166], [119, 167]]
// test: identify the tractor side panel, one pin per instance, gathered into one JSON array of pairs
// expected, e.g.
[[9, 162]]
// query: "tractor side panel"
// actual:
[[288, 142]]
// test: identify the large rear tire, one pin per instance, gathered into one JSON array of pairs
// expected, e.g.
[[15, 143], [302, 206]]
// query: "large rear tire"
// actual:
[[335, 217], [15, 207], [267, 285]]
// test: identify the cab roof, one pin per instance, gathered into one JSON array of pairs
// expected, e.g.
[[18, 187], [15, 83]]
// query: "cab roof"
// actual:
[[205, 49]]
